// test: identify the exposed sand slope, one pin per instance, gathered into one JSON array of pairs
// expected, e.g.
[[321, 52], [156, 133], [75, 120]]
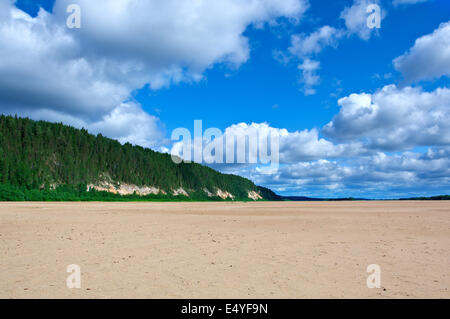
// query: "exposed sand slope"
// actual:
[[225, 250]]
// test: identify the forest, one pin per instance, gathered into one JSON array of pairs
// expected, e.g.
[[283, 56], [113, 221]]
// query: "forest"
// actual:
[[40, 160]]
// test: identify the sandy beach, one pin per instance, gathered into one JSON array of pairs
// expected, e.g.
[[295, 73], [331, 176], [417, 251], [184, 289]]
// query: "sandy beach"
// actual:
[[225, 250]]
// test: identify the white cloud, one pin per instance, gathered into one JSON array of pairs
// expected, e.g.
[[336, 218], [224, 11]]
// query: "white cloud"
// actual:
[[394, 118], [160, 34], [296, 146], [378, 175], [310, 78], [88, 74], [305, 45], [355, 18], [41, 67], [293, 147], [429, 58], [129, 123], [353, 162], [307, 145]]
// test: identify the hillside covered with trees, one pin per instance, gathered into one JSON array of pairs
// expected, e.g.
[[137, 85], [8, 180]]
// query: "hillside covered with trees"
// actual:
[[49, 161]]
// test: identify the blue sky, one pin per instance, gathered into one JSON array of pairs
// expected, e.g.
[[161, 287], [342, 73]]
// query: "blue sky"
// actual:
[[192, 80]]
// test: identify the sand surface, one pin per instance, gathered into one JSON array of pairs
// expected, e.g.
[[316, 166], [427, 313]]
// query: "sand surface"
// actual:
[[225, 250]]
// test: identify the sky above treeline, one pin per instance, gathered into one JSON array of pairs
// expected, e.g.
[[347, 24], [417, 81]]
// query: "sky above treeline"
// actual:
[[361, 111]]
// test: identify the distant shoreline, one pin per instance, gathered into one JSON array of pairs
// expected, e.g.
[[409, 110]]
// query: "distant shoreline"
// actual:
[[312, 199]]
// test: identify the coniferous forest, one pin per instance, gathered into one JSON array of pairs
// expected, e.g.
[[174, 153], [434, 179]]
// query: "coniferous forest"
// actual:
[[49, 161]]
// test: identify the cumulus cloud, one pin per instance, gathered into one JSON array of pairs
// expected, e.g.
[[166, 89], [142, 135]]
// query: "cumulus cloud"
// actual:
[[292, 147], [429, 58], [375, 176], [309, 78], [41, 67], [355, 18], [87, 75], [295, 146], [303, 45], [129, 123], [351, 159], [394, 118], [156, 35]]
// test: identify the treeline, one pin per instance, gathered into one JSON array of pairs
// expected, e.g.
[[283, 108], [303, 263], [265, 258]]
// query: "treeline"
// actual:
[[439, 197], [38, 155], [268, 194]]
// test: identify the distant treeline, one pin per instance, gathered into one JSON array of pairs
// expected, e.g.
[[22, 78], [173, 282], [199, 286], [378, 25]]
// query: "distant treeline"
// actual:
[[440, 197], [311, 199], [37, 156]]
